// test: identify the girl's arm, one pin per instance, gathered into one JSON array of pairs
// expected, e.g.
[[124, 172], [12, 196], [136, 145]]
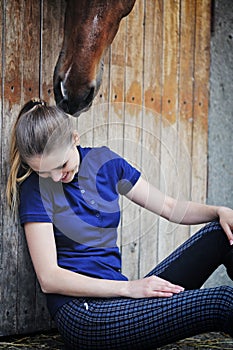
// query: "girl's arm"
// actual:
[[183, 212], [54, 279]]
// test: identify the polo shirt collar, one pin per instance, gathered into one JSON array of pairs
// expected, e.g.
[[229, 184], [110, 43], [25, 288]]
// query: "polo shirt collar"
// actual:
[[83, 171]]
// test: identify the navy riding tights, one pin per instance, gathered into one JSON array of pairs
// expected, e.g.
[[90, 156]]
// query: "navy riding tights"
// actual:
[[125, 323]]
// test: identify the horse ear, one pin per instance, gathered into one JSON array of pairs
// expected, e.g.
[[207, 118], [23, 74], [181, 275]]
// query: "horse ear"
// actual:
[[76, 138]]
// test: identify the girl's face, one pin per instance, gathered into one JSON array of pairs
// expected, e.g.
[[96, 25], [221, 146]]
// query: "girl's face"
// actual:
[[60, 165]]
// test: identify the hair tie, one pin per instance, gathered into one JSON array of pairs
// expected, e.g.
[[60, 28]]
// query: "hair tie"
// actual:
[[38, 101], [31, 104]]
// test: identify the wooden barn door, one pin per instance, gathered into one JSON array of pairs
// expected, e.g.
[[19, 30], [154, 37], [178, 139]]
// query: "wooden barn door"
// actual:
[[152, 108]]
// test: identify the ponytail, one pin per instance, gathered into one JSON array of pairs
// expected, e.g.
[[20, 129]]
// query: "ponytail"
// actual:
[[16, 174], [34, 127]]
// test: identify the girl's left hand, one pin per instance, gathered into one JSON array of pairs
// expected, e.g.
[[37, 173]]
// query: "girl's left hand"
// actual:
[[226, 220]]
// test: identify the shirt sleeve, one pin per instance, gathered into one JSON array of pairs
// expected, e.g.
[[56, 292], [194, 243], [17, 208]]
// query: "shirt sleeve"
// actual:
[[33, 205], [129, 177], [126, 175]]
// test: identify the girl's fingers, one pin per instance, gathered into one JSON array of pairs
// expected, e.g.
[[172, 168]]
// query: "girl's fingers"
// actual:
[[228, 232], [163, 294], [167, 287]]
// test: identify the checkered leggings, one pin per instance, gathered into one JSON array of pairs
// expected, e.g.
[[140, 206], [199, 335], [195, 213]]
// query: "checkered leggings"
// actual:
[[124, 323]]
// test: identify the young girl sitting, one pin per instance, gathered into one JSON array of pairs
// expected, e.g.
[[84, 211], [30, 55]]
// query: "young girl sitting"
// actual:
[[68, 205]]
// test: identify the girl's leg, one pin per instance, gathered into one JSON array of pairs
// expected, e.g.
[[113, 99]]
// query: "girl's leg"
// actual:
[[121, 323], [194, 261]]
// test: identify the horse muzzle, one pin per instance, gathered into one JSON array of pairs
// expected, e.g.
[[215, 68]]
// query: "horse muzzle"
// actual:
[[73, 92], [76, 102]]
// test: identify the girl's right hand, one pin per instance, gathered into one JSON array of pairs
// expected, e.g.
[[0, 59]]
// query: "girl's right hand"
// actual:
[[57, 280], [152, 286]]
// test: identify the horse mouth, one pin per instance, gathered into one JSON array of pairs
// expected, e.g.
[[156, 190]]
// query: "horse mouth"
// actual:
[[73, 98], [72, 108], [74, 104], [77, 103]]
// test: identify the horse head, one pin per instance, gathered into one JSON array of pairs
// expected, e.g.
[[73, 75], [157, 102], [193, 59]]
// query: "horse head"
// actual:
[[90, 27]]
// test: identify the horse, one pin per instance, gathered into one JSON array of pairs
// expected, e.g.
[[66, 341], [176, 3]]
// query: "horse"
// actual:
[[89, 29]]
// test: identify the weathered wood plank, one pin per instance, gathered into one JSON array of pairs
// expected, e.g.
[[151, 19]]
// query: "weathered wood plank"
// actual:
[[26, 281], [133, 133], [116, 99], [152, 82], [51, 40], [185, 108], [117, 90], [11, 98], [30, 50], [100, 109], [201, 99], [169, 172], [2, 19]]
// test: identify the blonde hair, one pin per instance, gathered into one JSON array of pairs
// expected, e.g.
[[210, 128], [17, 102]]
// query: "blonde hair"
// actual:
[[38, 129]]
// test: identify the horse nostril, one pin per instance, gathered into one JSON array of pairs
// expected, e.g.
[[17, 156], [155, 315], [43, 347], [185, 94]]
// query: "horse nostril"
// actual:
[[59, 90]]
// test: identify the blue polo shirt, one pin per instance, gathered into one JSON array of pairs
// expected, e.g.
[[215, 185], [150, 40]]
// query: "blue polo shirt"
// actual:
[[85, 214]]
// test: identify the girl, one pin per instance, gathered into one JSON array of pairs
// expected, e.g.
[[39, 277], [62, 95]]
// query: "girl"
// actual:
[[68, 205]]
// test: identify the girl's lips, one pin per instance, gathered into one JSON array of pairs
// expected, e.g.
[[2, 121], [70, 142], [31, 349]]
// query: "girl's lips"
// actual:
[[68, 176], [64, 177]]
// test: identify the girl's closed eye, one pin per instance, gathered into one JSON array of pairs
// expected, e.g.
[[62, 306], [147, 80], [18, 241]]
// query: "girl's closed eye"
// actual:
[[61, 166]]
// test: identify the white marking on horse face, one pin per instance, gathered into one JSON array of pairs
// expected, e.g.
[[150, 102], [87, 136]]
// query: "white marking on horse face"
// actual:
[[66, 75], [94, 29], [95, 21], [63, 90], [63, 82]]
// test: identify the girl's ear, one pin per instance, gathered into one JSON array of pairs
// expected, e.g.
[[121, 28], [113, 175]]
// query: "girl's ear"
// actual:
[[76, 138]]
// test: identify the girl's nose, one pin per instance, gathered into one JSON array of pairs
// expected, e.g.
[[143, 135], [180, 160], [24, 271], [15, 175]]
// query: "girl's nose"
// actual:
[[56, 175]]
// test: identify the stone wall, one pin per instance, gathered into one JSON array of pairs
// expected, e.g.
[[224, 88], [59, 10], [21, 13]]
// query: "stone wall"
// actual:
[[220, 164]]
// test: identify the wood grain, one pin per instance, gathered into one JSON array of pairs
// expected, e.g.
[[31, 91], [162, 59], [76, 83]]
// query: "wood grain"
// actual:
[[11, 98], [152, 108]]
